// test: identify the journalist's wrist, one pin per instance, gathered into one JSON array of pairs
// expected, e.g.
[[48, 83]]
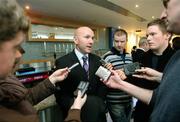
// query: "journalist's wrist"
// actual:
[[52, 80]]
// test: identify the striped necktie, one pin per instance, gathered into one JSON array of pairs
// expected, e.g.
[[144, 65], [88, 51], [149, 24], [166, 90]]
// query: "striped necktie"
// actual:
[[85, 64]]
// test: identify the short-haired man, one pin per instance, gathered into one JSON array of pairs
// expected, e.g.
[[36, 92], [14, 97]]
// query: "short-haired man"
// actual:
[[156, 58], [16, 100], [119, 103]]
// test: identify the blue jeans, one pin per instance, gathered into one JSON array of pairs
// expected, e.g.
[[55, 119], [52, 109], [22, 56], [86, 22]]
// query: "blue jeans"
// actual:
[[120, 112]]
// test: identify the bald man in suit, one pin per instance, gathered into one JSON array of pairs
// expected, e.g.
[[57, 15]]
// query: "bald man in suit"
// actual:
[[94, 108]]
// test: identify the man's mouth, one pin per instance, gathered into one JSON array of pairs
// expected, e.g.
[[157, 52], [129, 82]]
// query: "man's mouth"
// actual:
[[151, 44], [166, 22], [16, 62], [89, 47]]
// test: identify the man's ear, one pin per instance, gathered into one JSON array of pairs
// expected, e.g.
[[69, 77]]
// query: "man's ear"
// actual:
[[168, 36], [75, 39]]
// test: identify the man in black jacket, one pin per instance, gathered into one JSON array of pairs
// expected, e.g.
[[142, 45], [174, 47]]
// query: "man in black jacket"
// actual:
[[94, 108], [16, 101], [156, 58], [139, 53]]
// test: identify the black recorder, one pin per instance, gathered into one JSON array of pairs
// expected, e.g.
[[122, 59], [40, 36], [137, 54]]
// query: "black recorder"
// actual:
[[129, 69], [83, 87]]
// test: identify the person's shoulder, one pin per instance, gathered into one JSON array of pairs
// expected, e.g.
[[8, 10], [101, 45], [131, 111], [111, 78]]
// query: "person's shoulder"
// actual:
[[173, 63], [148, 53], [65, 57], [94, 56], [175, 58], [139, 50], [11, 79], [128, 54], [108, 53]]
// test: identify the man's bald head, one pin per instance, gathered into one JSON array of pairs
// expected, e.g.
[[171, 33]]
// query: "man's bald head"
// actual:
[[81, 30], [84, 39]]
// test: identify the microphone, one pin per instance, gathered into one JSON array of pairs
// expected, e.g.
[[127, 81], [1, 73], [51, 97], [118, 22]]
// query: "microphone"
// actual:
[[73, 66]]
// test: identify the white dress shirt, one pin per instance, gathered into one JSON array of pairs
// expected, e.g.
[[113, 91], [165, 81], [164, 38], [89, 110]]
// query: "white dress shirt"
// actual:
[[79, 56]]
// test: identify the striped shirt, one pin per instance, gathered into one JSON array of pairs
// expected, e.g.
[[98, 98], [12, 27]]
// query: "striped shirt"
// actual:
[[117, 60]]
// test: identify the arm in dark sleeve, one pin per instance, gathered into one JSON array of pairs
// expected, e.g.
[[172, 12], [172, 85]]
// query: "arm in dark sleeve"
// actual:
[[12, 91], [153, 98], [10, 115], [40, 91], [73, 115]]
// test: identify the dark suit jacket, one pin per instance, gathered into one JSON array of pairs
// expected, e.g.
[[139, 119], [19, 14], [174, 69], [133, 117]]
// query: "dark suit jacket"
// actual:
[[138, 55], [69, 85]]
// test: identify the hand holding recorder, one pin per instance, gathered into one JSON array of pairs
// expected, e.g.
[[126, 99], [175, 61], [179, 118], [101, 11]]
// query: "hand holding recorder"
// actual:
[[79, 101], [126, 70]]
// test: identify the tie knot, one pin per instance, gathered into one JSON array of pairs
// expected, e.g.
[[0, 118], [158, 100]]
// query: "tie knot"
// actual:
[[85, 58]]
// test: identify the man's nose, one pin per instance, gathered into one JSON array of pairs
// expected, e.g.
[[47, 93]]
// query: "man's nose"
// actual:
[[148, 38], [163, 14], [18, 54], [119, 43], [91, 40]]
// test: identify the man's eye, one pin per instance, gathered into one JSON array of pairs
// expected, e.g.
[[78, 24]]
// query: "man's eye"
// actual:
[[152, 34], [116, 41], [87, 37], [20, 49]]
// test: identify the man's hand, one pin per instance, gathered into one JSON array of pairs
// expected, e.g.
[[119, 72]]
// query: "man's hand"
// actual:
[[121, 74], [59, 75], [79, 101], [108, 66], [148, 74], [114, 80]]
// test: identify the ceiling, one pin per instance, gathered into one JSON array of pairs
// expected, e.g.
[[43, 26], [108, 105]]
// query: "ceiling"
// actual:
[[108, 13]]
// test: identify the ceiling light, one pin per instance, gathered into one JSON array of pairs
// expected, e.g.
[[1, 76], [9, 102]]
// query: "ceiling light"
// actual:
[[153, 17], [27, 7], [119, 27], [138, 31], [137, 6]]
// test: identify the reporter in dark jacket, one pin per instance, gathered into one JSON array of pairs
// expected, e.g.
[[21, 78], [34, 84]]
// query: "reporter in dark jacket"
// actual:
[[16, 100]]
